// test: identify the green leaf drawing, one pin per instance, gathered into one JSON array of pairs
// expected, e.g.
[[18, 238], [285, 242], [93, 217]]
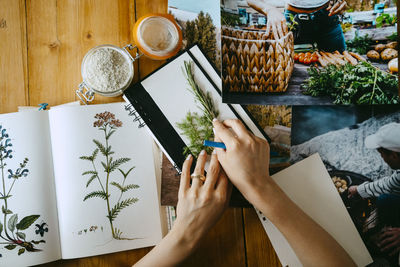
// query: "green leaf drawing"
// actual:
[[100, 147], [21, 235], [91, 180], [108, 124], [94, 154], [109, 134], [119, 206], [1, 227], [89, 172], [12, 222], [86, 158], [20, 251], [10, 247], [5, 197], [122, 188], [99, 194], [116, 163], [127, 173], [6, 211], [27, 221]]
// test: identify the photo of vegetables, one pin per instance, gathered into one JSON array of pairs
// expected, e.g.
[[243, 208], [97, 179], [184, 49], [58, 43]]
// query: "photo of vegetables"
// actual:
[[257, 69], [105, 180], [198, 127], [12, 229]]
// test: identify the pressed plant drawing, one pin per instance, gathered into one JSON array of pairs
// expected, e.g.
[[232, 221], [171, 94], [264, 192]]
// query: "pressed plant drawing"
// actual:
[[198, 127], [12, 233], [107, 124]]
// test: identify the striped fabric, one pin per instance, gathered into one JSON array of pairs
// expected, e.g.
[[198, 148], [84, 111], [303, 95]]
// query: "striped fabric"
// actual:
[[385, 185]]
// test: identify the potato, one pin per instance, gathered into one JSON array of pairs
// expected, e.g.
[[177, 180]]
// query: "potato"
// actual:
[[392, 45], [380, 47], [388, 54], [373, 55]]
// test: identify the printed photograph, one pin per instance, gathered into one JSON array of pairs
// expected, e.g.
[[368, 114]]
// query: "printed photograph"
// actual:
[[309, 52], [360, 147], [200, 22]]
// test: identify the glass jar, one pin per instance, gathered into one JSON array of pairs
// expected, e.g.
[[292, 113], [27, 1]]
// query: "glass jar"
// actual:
[[157, 36]]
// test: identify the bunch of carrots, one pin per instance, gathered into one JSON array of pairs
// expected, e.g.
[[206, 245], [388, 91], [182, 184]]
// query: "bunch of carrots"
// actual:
[[325, 58]]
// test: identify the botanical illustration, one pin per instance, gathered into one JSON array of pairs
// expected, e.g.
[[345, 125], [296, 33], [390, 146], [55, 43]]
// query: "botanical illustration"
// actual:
[[107, 124], [11, 229], [198, 127]]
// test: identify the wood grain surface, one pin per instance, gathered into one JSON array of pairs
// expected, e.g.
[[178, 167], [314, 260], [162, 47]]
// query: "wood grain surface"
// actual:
[[41, 50]]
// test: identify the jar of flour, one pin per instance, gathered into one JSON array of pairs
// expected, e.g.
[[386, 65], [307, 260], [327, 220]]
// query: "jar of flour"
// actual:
[[108, 70]]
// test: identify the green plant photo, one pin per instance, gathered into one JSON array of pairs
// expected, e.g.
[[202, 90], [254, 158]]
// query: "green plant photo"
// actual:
[[111, 175]]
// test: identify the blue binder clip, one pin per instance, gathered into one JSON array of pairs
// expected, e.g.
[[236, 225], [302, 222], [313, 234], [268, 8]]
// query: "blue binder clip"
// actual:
[[43, 106]]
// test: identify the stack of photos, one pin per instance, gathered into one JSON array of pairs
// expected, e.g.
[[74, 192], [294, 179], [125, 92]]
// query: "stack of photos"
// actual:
[[338, 134]]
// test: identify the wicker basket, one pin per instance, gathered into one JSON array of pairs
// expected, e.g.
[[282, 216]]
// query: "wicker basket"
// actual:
[[254, 62]]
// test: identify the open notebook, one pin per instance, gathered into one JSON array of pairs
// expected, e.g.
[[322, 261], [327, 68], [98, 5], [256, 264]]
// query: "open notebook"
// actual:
[[163, 99], [55, 197]]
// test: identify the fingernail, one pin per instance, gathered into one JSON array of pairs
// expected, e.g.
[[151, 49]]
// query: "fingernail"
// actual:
[[214, 152], [215, 119], [189, 157], [202, 152]]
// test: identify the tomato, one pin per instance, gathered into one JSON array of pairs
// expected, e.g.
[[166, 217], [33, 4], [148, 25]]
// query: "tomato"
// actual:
[[301, 54], [308, 54], [301, 58], [314, 58], [307, 61], [296, 57]]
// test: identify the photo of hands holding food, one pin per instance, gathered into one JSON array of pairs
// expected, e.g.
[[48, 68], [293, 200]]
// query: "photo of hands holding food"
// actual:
[[309, 52]]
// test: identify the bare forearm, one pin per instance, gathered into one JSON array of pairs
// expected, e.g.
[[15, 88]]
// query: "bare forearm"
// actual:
[[172, 250], [311, 243]]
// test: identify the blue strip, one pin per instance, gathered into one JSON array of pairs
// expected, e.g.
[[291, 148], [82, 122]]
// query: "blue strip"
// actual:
[[214, 144]]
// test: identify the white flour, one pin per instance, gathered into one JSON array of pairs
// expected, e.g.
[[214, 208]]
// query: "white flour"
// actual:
[[107, 70]]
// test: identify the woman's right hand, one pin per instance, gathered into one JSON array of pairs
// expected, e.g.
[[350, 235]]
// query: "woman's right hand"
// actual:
[[276, 22], [246, 158]]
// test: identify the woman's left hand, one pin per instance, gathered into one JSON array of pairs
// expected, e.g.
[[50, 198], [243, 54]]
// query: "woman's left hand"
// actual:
[[201, 204], [336, 7]]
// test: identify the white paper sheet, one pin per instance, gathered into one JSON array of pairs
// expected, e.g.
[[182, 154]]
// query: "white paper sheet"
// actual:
[[308, 184], [33, 194], [170, 90], [72, 133]]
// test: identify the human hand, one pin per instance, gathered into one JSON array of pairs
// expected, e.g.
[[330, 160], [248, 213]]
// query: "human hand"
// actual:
[[336, 7], [276, 22], [200, 205], [389, 241], [352, 191], [246, 158]]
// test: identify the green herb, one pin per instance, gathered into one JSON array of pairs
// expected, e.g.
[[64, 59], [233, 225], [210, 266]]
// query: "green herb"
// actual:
[[198, 127], [292, 25], [393, 37], [360, 84], [360, 45], [385, 19]]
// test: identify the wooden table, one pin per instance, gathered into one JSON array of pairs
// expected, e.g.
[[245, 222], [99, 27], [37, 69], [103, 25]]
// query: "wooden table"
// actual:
[[42, 43]]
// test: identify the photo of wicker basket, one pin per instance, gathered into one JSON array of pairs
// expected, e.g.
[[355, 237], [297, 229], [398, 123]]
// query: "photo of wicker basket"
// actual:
[[253, 61]]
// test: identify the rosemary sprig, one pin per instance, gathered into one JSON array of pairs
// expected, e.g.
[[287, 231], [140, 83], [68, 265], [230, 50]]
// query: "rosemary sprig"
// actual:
[[207, 105], [197, 127]]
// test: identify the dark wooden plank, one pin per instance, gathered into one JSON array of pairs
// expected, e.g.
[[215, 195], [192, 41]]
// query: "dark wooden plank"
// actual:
[[258, 246]]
